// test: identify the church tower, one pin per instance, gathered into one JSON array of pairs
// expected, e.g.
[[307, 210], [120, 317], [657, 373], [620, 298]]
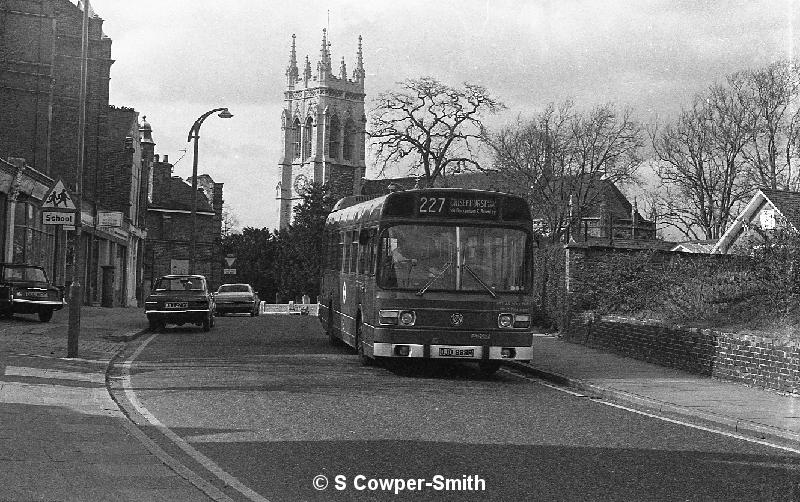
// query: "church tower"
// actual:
[[323, 124]]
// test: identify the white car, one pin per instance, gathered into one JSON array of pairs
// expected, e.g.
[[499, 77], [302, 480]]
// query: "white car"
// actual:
[[237, 298]]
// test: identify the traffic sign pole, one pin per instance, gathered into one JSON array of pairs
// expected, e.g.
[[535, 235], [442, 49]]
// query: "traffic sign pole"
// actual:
[[75, 290]]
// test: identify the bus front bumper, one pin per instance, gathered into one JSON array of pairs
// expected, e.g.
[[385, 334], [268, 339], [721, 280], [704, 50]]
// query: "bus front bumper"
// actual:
[[456, 352]]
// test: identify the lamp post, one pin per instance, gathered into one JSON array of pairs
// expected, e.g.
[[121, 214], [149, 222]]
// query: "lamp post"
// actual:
[[194, 134]]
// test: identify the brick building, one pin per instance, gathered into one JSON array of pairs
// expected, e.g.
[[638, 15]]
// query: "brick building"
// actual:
[[169, 226], [40, 55], [323, 125]]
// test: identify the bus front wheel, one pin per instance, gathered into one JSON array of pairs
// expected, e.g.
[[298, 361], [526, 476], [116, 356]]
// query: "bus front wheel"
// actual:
[[365, 359]]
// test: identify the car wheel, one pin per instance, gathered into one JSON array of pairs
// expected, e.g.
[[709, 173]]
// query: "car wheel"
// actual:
[[45, 315], [156, 326]]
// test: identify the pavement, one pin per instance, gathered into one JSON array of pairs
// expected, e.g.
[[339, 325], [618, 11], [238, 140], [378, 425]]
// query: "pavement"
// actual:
[[62, 437]]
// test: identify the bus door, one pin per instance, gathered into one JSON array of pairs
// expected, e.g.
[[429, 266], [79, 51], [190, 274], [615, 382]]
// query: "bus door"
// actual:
[[365, 280]]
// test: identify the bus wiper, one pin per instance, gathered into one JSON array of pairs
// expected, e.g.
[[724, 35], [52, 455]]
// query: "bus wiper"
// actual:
[[434, 279], [475, 276]]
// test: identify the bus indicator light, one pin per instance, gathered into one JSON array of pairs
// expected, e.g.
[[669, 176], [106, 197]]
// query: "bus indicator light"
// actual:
[[508, 353], [402, 350], [388, 317], [522, 320]]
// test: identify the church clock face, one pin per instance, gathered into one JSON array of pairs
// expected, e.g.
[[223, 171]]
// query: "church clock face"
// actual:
[[301, 184]]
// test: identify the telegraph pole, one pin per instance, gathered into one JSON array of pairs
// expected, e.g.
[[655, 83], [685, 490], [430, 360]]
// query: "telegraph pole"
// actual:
[[75, 290]]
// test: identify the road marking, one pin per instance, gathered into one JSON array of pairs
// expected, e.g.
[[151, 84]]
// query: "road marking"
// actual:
[[24, 371], [206, 462], [651, 415]]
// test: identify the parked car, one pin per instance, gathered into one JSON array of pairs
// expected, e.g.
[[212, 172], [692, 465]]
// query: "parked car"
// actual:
[[180, 299], [237, 298], [25, 289]]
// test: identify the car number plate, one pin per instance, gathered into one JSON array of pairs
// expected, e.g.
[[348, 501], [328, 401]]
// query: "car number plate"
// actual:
[[449, 352], [177, 305], [37, 294]]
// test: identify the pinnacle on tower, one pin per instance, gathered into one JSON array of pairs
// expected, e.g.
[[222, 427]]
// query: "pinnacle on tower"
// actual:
[[307, 70], [291, 70], [324, 64], [343, 70], [358, 73]]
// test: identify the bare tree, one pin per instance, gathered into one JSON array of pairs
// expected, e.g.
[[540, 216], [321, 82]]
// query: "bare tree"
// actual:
[[701, 162], [558, 159], [430, 124], [773, 93], [230, 222]]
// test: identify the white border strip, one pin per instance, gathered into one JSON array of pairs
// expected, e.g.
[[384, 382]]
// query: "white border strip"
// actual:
[[206, 462]]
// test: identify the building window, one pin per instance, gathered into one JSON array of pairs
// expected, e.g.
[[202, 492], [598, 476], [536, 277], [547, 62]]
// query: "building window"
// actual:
[[333, 138], [33, 241], [307, 130], [296, 139], [349, 140]]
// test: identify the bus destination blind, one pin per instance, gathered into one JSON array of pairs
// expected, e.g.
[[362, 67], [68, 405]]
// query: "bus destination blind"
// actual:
[[457, 206]]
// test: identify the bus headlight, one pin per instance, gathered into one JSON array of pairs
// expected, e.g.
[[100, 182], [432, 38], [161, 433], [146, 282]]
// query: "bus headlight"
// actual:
[[505, 320], [397, 317], [408, 318], [514, 320]]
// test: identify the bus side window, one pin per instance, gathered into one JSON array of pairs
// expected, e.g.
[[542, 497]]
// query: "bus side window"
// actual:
[[365, 246], [353, 251], [343, 245]]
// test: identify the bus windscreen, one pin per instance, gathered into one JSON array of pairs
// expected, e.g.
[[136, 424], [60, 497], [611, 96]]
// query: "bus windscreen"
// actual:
[[453, 258]]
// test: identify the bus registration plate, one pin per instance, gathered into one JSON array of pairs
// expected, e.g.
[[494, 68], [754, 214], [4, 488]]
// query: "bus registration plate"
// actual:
[[451, 352]]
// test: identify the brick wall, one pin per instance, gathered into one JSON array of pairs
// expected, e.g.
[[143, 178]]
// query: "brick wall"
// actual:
[[756, 360]]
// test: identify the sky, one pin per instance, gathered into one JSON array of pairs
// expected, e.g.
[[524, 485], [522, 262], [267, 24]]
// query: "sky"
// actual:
[[177, 59]]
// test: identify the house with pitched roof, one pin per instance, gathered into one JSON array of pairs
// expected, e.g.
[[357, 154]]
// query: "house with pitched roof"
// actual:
[[768, 211], [169, 223]]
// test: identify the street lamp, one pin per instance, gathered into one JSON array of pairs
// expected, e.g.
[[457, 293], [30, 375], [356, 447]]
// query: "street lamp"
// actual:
[[194, 134]]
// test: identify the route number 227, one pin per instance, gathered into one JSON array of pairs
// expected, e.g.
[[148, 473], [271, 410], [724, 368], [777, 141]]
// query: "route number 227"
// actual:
[[431, 204]]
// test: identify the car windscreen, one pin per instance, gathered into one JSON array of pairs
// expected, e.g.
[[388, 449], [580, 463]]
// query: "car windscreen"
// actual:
[[233, 288], [33, 274], [180, 284]]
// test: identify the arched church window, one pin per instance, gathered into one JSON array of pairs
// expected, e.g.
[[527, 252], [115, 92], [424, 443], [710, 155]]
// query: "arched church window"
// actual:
[[349, 140], [296, 138], [335, 147], [307, 129]]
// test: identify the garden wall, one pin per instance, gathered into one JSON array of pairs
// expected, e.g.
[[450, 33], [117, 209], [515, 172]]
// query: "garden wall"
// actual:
[[750, 359], [599, 296]]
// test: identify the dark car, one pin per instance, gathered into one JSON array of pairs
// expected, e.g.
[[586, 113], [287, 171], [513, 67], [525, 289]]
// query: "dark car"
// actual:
[[180, 299], [237, 298], [25, 289]]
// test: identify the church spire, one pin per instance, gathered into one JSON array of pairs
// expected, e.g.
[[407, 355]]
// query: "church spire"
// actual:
[[358, 73], [291, 71]]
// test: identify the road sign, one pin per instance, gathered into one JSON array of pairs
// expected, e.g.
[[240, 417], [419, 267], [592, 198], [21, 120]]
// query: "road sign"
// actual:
[[58, 198], [109, 218], [58, 218], [229, 271], [229, 259]]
